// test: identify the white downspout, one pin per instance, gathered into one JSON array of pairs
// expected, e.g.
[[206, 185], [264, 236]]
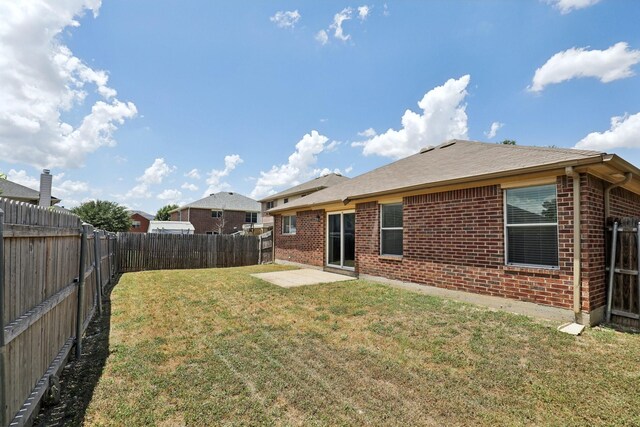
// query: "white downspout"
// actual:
[[577, 252]]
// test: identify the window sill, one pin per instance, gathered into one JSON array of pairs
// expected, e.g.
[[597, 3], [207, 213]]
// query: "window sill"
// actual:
[[390, 257], [520, 269], [288, 234]]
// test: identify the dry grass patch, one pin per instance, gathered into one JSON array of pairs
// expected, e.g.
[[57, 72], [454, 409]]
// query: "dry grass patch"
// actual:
[[212, 347]]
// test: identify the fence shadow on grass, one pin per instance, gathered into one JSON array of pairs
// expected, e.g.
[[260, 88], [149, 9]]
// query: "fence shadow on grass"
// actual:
[[80, 377]]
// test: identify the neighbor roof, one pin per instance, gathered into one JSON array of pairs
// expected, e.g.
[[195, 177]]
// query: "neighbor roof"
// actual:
[[452, 161], [15, 191], [142, 214], [224, 201], [315, 184], [170, 225]]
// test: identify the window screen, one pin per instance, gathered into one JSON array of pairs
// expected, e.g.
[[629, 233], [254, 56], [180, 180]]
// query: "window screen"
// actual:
[[532, 226], [391, 229]]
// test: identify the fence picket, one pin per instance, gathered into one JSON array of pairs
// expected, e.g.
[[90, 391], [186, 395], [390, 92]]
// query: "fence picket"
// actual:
[[139, 251]]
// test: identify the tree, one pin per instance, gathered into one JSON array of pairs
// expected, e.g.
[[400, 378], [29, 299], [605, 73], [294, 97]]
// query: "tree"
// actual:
[[508, 142], [163, 213], [105, 215]]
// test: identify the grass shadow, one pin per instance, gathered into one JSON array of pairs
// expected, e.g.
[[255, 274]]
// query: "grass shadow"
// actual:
[[80, 377]]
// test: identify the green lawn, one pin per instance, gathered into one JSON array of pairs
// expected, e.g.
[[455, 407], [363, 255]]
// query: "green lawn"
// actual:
[[218, 347]]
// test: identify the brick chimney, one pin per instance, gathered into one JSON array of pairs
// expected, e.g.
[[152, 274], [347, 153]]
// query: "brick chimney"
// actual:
[[45, 188]]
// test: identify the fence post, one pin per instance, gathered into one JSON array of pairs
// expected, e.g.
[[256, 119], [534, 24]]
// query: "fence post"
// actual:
[[109, 258], [80, 311], [97, 256], [4, 417]]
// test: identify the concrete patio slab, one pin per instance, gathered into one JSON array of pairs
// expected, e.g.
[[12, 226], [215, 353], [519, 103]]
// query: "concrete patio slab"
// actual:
[[295, 278]]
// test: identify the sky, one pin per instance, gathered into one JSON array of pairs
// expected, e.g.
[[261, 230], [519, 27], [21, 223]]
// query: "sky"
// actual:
[[147, 103]]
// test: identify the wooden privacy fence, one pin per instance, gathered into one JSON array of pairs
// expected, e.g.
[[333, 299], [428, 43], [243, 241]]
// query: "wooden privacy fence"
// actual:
[[53, 270], [623, 272], [145, 251], [265, 245]]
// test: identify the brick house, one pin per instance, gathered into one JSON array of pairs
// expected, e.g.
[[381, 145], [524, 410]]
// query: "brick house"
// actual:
[[139, 221], [219, 213], [294, 193], [492, 219]]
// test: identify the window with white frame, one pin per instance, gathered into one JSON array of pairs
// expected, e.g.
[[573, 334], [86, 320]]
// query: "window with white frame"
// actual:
[[216, 214], [135, 224], [289, 224], [251, 217], [391, 229], [531, 226]]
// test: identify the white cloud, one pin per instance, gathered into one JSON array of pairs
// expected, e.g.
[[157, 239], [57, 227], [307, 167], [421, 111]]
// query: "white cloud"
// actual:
[[154, 174], [189, 186], [193, 174], [363, 12], [170, 195], [443, 117], [23, 178], [607, 65], [624, 132], [338, 20], [322, 37], [368, 133], [286, 19], [385, 11], [299, 167], [566, 6], [215, 176], [495, 127], [40, 79]]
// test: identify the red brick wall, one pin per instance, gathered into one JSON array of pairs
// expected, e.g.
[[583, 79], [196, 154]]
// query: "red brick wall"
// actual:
[[203, 222], [144, 224], [307, 245], [624, 203], [592, 242], [455, 240]]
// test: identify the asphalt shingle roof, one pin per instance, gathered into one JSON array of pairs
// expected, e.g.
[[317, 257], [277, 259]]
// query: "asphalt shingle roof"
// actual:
[[12, 190], [142, 214], [312, 185], [454, 160], [224, 201]]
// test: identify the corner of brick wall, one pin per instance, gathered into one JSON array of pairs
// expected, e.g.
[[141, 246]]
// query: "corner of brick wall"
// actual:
[[307, 245]]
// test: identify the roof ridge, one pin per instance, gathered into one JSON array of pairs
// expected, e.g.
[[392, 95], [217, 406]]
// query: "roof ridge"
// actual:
[[531, 147]]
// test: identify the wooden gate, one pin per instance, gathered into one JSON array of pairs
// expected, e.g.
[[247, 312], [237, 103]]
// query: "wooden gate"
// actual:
[[623, 272], [266, 248]]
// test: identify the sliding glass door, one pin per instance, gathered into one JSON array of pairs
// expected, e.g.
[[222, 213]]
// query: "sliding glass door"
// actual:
[[341, 240]]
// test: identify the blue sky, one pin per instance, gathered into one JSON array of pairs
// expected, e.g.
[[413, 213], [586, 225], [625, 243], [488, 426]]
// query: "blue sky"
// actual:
[[147, 103]]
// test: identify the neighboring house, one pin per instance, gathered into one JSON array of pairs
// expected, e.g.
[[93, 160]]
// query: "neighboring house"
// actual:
[[13, 191], [219, 213], [139, 221], [171, 227], [294, 193], [492, 219]]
